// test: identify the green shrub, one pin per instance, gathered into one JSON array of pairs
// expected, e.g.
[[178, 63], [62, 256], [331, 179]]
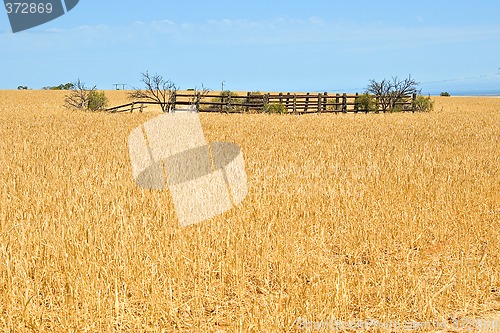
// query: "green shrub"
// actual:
[[366, 102], [96, 100], [422, 104], [224, 97], [333, 107], [277, 108], [445, 94], [396, 108]]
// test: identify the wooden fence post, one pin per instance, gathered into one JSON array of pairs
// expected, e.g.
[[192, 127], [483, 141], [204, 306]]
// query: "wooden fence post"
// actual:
[[356, 107], [325, 100], [413, 98], [287, 101], [294, 103], [307, 103], [142, 107], [228, 106], [337, 102], [344, 103], [247, 108], [132, 107], [319, 103], [173, 100], [222, 101], [198, 100]]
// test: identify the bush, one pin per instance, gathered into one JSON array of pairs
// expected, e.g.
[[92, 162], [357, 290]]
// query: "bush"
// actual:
[[445, 94], [276, 108], [225, 96], [396, 108], [366, 102], [334, 107], [422, 104], [96, 100]]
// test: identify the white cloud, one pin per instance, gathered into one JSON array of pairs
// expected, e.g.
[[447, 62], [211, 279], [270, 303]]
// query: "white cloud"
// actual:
[[318, 21], [279, 31]]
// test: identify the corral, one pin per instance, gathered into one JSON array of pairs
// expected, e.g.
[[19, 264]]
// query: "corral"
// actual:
[[295, 103]]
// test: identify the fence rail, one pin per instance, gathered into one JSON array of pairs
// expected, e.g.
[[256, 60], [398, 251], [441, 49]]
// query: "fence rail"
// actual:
[[129, 107], [256, 102]]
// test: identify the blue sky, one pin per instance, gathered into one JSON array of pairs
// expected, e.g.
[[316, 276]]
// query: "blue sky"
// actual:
[[271, 45]]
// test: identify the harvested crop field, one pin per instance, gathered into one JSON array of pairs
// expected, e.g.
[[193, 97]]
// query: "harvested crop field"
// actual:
[[350, 217]]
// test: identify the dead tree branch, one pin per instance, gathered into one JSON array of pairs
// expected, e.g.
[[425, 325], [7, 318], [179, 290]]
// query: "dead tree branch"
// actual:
[[389, 92], [157, 89], [79, 96]]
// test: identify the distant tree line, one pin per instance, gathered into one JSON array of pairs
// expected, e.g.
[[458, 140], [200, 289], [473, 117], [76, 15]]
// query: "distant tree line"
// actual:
[[65, 86]]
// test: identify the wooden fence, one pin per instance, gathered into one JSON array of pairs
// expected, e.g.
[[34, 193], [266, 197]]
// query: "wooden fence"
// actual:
[[130, 107], [256, 102]]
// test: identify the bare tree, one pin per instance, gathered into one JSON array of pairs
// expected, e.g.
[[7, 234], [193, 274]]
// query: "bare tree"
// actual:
[[78, 96], [157, 90], [389, 92], [81, 97], [198, 95]]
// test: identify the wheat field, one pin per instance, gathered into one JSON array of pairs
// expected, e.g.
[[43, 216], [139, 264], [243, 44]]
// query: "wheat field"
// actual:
[[351, 217]]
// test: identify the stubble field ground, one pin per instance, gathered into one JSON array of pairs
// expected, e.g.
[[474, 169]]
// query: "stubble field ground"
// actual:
[[388, 217]]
